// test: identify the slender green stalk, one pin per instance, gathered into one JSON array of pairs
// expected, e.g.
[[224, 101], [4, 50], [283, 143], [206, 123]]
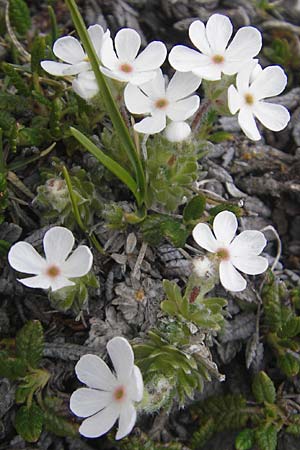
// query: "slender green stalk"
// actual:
[[76, 212], [110, 103], [109, 163]]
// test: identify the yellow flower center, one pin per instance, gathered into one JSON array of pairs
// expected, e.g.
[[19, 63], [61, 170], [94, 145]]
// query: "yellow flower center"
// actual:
[[161, 103], [119, 393], [86, 59], [126, 68], [223, 254], [53, 271], [249, 99], [218, 59]]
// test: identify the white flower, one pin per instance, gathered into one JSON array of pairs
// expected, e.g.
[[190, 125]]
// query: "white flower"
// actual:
[[85, 85], [203, 267], [125, 65], [108, 396], [240, 252], [177, 131], [55, 270], [160, 101], [254, 84], [69, 50], [215, 56]]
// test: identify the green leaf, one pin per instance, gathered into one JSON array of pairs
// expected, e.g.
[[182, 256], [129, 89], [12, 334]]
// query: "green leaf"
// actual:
[[37, 54], [288, 364], [294, 427], [225, 207], [263, 388], [29, 422], [245, 440], [19, 16], [16, 79], [206, 431], [12, 368], [30, 343], [194, 208], [266, 437]]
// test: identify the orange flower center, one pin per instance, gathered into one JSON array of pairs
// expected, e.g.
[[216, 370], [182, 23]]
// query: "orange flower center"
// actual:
[[223, 254], [53, 271], [126, 68], [161, 103], [119, 393], [218, 59], [249, 99]]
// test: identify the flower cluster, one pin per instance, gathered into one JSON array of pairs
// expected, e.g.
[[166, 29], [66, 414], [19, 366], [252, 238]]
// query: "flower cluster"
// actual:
[[167, 106]]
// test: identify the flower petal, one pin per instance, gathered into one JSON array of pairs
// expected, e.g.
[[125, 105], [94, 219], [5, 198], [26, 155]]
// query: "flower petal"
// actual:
[[127, 420], [177, 131], [68, 49], [244, 76], [254, 265], [230, 278], [101, 422], [218, 31], [210, 72], [152, 57], [122, 357], [235, 100], [79, 263], [183, 109], [59, 282], [247, 123], [204, 237], [245, 45], [85, 87], [24, 258], [77, 68], [225, 225], [127, 44], [136, 385], [92, 371], [136, 101], [85, 402], [58, 243], [96, 34], [139, 78], [54, 68], [38, 281], [108, 56], [272, 116], [198, 37], [181, 85], [151, 125], [156, 88], [269, 83], [248, 243], [186, 59]]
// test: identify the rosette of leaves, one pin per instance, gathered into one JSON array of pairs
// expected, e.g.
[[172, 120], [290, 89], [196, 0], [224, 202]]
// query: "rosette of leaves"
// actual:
[[172, 171], [282, 319], [22, 364], [263, 420], [175, 360], [74, 297], [54, 199]]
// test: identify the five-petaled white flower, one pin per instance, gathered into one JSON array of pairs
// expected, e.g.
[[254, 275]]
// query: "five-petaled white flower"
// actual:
[[215, 57], [108, 396], [69, 50], [160, 101], [240, 252], [254, 84], [125, 65], [57, 268]]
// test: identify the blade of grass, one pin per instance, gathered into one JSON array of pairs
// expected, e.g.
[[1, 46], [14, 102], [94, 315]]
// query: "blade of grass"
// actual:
[[108, 162], [76, 212], [109, 102]]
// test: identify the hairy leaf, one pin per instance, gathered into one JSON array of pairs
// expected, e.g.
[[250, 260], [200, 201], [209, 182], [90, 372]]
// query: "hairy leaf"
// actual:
[[30, 343], [29, 422], [263, 388]]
